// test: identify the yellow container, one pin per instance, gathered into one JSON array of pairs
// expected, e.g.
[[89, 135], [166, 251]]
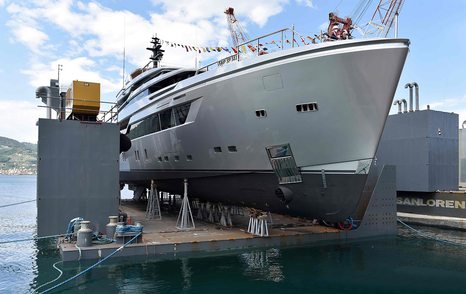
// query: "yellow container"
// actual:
[[83, 98]]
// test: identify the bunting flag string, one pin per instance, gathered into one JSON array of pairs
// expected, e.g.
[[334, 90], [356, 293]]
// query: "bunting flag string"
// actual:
[[242, 48]]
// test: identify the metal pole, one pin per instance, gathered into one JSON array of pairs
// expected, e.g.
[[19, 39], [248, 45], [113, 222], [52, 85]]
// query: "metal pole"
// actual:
[[282, 42], [60, 68], [49, 107], [258, 51], [292, 35], [396, 25]]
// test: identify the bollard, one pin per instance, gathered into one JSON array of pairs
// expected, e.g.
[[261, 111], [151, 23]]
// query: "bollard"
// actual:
[[111, 227], [84, 235]]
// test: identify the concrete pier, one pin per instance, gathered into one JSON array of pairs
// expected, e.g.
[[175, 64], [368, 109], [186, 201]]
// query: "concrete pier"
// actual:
[[162, 238]]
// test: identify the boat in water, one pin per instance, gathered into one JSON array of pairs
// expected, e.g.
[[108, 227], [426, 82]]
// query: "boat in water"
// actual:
[[293, 131]]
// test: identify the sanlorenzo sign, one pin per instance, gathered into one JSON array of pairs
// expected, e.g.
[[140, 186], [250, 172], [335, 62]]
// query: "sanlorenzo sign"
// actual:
[[441, 203]]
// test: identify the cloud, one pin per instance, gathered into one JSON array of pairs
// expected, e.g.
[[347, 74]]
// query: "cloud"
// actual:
[[18, 119], [257, 11], [456, 105], [308, 3], [101, 30], [30, 36], [25, 29], [88, 38], [81, 68]]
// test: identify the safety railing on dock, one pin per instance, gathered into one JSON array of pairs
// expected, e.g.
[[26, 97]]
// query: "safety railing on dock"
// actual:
[[111, 115], [63, 109]]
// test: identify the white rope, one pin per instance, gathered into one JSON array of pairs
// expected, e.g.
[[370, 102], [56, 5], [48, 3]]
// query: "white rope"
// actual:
[[59, 276], [92, 266], [425, 235]]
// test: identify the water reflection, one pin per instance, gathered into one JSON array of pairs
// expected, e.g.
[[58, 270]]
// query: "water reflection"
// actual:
[[263, 265], [187, 273]]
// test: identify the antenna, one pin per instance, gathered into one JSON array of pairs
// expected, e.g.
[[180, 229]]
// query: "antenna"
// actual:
[[59, 69], [124, 51], [157, 51]]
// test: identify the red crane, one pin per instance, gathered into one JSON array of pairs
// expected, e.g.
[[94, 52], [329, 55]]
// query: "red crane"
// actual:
[[381, 22], [335, 30]]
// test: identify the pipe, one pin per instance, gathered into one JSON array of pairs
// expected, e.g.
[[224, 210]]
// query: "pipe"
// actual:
[[399, 105], [45, 92], [410, 86], [417, 95], [405, 104], [396, 25]]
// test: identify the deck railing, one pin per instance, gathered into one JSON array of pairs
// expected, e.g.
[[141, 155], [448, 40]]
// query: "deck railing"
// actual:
[[277, 41]]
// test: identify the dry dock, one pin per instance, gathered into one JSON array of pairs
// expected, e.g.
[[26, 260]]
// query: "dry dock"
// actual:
[[162, 238]]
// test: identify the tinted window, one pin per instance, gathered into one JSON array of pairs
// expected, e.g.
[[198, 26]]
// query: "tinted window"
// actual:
[[138, 97], [166, 120], [135, 130], [169, 81], [149, 125], [181, 113], [154, 123]]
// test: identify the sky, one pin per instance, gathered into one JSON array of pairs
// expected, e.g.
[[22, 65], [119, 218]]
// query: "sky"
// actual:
[[88, 38]]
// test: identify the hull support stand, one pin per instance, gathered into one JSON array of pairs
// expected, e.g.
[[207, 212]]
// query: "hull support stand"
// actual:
[[258, 223], [185, 217], [153, 203]]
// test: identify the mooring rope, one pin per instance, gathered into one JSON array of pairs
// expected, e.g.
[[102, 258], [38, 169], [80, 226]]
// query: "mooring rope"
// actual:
[[12, 204], [59, 276], [33, 238], [92, 266], [422, 234]]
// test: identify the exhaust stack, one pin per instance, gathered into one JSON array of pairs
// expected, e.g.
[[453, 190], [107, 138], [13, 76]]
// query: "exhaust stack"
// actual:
[[405, 104], [410, 86], [398, 102], [416, 86]]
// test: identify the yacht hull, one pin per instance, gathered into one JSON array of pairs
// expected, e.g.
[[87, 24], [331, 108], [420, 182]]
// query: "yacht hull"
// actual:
[[222, 149]]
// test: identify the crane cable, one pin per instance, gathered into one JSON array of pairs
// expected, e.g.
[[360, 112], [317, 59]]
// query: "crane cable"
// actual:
[[17, 203]]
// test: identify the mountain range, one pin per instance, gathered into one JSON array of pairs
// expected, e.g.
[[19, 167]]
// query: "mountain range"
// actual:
[[17, 158]]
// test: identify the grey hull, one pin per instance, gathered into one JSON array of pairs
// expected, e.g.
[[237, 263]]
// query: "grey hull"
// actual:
[[340, 197]]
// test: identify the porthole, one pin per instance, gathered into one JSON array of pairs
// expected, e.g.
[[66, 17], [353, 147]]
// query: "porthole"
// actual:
[[261, 113], [307, 107], [232, 149]]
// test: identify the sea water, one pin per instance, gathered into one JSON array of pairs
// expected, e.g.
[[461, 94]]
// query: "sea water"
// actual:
[[406, 263]]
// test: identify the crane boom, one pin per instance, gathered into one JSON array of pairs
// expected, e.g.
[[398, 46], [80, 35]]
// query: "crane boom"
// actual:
[[238, 34], [384, 15]]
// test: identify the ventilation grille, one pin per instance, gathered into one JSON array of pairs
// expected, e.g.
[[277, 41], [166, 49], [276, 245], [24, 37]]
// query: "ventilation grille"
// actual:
[[283, 163], [307, 107]]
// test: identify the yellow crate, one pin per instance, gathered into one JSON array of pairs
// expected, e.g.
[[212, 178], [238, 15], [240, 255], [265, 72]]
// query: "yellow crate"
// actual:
[[83, 98]]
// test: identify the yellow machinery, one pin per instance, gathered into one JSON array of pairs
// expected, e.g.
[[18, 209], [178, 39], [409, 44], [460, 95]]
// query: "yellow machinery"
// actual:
[[83, 100]]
